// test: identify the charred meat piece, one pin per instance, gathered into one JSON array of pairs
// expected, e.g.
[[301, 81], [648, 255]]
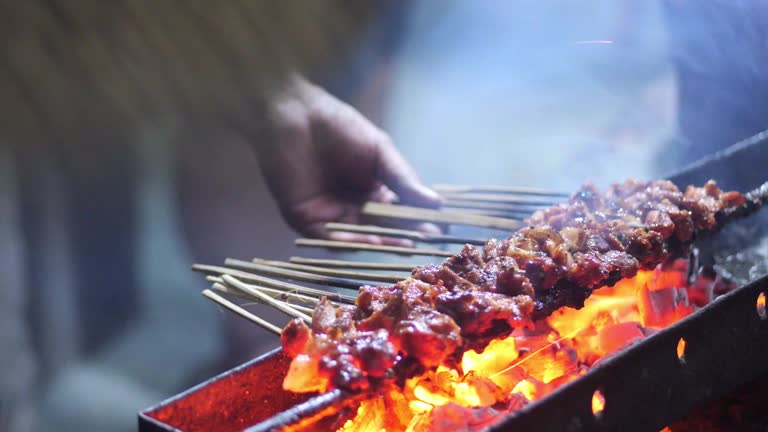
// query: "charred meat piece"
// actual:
[[479, 295]]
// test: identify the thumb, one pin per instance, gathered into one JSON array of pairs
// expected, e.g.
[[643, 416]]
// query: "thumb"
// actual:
[[398, 175]]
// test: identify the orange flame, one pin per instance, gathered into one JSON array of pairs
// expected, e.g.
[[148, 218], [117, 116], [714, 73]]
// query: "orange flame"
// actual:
[[681, 349], [527, 365], [598, 402]]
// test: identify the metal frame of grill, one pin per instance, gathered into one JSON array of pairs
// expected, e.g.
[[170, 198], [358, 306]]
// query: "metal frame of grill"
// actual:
[[645, 386]]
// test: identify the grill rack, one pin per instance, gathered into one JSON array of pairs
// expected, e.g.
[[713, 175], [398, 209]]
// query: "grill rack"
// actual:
[[646, 383]]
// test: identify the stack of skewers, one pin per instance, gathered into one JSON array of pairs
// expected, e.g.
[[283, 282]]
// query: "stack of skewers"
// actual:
[[280, 284]]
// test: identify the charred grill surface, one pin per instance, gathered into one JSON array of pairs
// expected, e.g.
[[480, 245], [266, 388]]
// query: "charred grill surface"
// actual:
[[478, 295]]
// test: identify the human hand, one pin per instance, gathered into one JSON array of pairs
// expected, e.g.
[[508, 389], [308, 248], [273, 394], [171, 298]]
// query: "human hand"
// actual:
[[323, 160]]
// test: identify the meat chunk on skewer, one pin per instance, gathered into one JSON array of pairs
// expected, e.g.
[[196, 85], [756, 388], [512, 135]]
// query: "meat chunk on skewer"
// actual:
[[479, 295]]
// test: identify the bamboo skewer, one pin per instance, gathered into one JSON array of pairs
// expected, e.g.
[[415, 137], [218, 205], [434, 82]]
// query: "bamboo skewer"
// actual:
[[330, 244], [219, 286], [363, 265], [516, 190], [294, 274], [281, 306], [307, 269], [481, 205], [272, 292], [439, 216], [401, 233], [273, 283], [489, 213], [501, 198], [473, 205], [377, 277], [242, 312]]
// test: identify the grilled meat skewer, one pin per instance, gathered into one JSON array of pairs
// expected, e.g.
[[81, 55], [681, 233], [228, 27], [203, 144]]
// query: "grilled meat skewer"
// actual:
[[565, 252]]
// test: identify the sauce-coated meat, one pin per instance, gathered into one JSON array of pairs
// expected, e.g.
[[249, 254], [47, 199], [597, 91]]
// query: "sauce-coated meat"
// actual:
[[481, 294]]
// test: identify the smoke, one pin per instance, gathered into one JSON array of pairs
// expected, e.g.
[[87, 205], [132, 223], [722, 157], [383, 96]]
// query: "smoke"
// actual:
[[718, 50], [515, 93], [510, 93]]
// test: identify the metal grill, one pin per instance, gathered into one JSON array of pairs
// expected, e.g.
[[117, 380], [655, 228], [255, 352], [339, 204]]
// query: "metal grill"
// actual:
[[646, 387]]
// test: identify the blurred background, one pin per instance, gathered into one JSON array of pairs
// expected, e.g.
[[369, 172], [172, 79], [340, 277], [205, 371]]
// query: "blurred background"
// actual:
[[103, 210]]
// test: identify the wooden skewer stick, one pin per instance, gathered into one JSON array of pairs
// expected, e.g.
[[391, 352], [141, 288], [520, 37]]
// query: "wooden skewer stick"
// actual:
[[439, 216], [300, 308], [249, 295], [294, 274], [353, 264], [242, 312], [273, 283], [401, 233], [219, 286], [501, 198], [274, 293], [516, 190], [281, 306], [331, 244], [515, 209], [378, 277], [490, 213]]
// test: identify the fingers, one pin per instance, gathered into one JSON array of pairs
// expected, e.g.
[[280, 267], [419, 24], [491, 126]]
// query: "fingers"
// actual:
[[331, 160], [359, 147], [318, 230], [428, 228], [383, 194], [310, 218], [400, 177]]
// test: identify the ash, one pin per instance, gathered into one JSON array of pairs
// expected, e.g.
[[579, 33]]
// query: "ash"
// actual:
[[740, 251]]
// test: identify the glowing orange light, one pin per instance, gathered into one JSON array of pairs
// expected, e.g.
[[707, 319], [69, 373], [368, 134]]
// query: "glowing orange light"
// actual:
[[761, 306], [527, 388], [530, 364], [598, 403], [497, 354], [514, 365], [681, 348]]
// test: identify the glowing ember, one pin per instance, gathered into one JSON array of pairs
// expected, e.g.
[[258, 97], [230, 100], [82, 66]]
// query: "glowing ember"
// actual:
[[530, 364], [598, 403], [681, 349]]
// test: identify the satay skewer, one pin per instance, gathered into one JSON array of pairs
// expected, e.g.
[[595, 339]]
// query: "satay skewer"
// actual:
[[281, 306], [225, 289], [377, 277], [362, 265], [354, 246], [515, 190], [273, 283], [755, 199], [294, 274], [513, 209], [277, 294], [242, 312], [439, 216], [401, 233], [490, 213], [502, 198]]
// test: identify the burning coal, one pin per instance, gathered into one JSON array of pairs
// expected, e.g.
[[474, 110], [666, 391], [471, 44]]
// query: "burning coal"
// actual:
[[532, 363]]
